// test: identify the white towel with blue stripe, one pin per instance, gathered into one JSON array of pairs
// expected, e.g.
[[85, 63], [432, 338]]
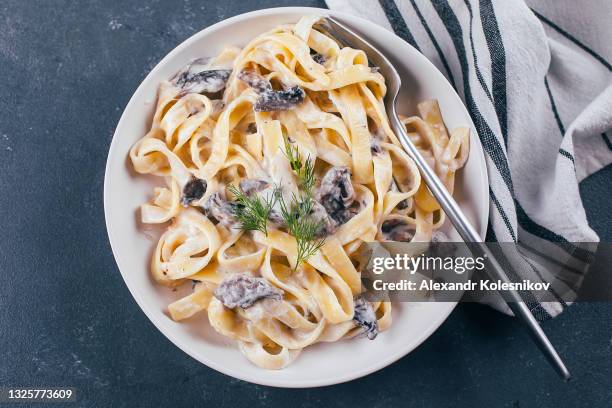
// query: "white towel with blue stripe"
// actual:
[[536, 78]]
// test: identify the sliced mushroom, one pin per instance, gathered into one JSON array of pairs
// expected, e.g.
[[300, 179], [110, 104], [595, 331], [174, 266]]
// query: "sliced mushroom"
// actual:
[[244, 290], [397, 229], [270, 100], [318, 58], [365, 317], [337, 195], [405, 204], [193, 191], [221, 210], [375, 147], [319, 215], [199, 77], [402, 205], [252, 186], [254, 80], [276, 218]]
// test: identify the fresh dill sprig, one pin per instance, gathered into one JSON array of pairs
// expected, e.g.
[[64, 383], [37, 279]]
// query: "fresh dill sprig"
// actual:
[[302, 226], [297, 215], [252, 211], [303, 171]]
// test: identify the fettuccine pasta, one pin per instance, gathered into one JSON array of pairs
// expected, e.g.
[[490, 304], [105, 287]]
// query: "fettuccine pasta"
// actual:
[[278, 164]]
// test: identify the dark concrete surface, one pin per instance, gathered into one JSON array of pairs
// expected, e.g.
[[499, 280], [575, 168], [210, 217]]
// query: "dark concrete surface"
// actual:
[[67, 69]]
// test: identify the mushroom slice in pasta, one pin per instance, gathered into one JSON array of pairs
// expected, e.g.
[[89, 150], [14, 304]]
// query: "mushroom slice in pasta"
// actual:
[[252, 186], [254, 80], [193, 191], [397, 229], [243, 291], [375, 146], [365, 317], [198, 77], [318, 58], [276, 218], [220, 209], [337, 194], [326, 224], [404, 204], [270, 100]]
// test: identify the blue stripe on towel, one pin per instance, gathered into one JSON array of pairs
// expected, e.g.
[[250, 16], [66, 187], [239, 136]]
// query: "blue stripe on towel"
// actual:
[[435, 43], [397, 22], [498, 64]]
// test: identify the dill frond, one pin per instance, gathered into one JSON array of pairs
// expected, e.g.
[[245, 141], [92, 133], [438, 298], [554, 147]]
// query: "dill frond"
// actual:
[[302, 227], [303, 171], [252, 211]]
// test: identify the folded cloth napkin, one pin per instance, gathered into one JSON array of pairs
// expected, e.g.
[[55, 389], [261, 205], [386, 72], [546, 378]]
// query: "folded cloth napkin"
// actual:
[[536, 79]]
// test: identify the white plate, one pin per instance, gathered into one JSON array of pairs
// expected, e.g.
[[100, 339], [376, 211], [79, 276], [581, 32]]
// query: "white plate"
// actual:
[[133, 243]]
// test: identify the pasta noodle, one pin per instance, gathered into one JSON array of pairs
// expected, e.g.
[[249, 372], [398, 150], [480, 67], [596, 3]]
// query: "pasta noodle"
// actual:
[[290, 115]]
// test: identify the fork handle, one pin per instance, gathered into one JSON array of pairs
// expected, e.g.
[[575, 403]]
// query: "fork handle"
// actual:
[[477, 246]]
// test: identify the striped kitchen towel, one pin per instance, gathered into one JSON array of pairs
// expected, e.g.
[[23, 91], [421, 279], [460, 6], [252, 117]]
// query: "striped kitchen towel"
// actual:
[[536, 79]]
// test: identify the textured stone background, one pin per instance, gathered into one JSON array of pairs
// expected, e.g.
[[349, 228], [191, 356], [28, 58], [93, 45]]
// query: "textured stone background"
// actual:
[[67, 69]]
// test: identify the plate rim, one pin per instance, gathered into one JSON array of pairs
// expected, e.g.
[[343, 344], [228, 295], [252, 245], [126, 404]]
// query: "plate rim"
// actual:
[[136, 294]]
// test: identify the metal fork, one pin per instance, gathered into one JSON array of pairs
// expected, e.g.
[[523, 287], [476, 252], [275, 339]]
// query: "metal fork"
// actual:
[[346, 36]]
